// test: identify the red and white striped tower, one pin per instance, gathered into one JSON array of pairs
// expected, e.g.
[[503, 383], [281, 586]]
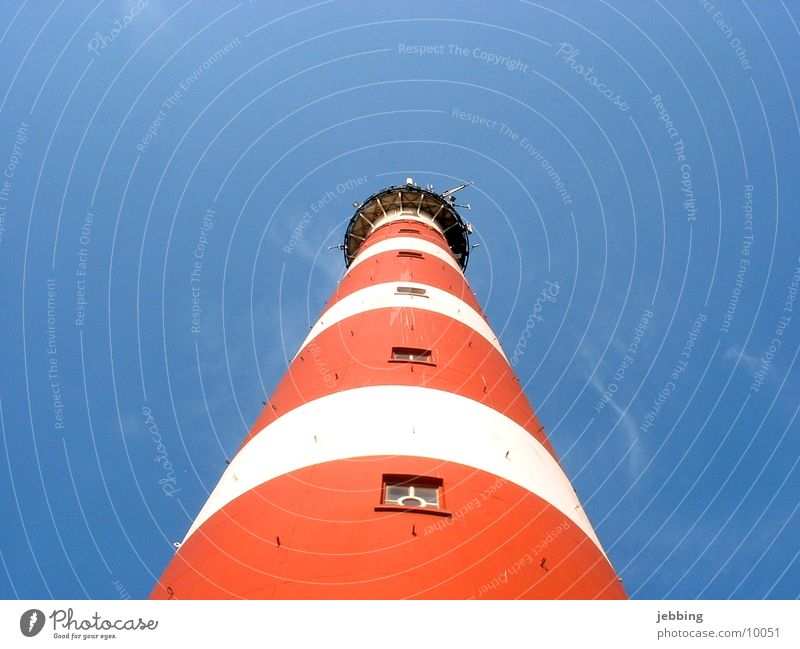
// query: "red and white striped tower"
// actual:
[[399, 456]]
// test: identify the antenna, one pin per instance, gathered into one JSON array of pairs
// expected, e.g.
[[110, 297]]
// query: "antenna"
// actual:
[[456, 189]]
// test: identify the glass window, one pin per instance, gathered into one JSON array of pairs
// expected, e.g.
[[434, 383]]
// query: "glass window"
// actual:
[[411, 290], [412, 492], [409, 354]]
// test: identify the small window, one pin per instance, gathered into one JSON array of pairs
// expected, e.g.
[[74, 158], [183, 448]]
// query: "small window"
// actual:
[[409, 231], [411, 354], [407, 491], [411, 254], [411, 290]]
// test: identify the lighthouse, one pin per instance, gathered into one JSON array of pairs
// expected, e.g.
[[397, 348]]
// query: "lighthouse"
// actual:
[[399, 456]]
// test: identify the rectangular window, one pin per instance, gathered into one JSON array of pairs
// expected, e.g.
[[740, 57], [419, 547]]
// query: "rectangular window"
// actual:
[[412, 491], [411, 254], [410, 354], [411, 290]]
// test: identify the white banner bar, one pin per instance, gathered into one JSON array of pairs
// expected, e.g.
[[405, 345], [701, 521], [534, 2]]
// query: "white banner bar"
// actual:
[[403, 624]]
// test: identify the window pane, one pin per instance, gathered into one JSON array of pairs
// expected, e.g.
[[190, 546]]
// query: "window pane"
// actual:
[[429, 494], [404, 354], [410, 290], [395, 492]]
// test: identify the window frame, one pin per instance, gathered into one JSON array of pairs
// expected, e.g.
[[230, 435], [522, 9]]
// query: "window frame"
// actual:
[[412, 482], [411, 291], [410, 254], [411, 493], [415, 354]]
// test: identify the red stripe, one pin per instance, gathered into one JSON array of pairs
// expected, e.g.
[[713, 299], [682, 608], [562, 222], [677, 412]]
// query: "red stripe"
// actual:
[[356, 352], [500, 542], [393, 229], [389, 267]]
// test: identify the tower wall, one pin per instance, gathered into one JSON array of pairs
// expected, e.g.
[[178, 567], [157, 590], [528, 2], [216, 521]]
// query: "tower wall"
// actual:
[[401, 387]]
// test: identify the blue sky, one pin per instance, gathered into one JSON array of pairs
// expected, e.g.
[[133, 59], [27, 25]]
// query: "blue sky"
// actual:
[[642, 156]]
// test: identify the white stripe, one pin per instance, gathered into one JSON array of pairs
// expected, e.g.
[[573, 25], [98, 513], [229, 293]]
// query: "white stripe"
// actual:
[[380, 296], [396, 215], [405, 243], [403, 421]]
